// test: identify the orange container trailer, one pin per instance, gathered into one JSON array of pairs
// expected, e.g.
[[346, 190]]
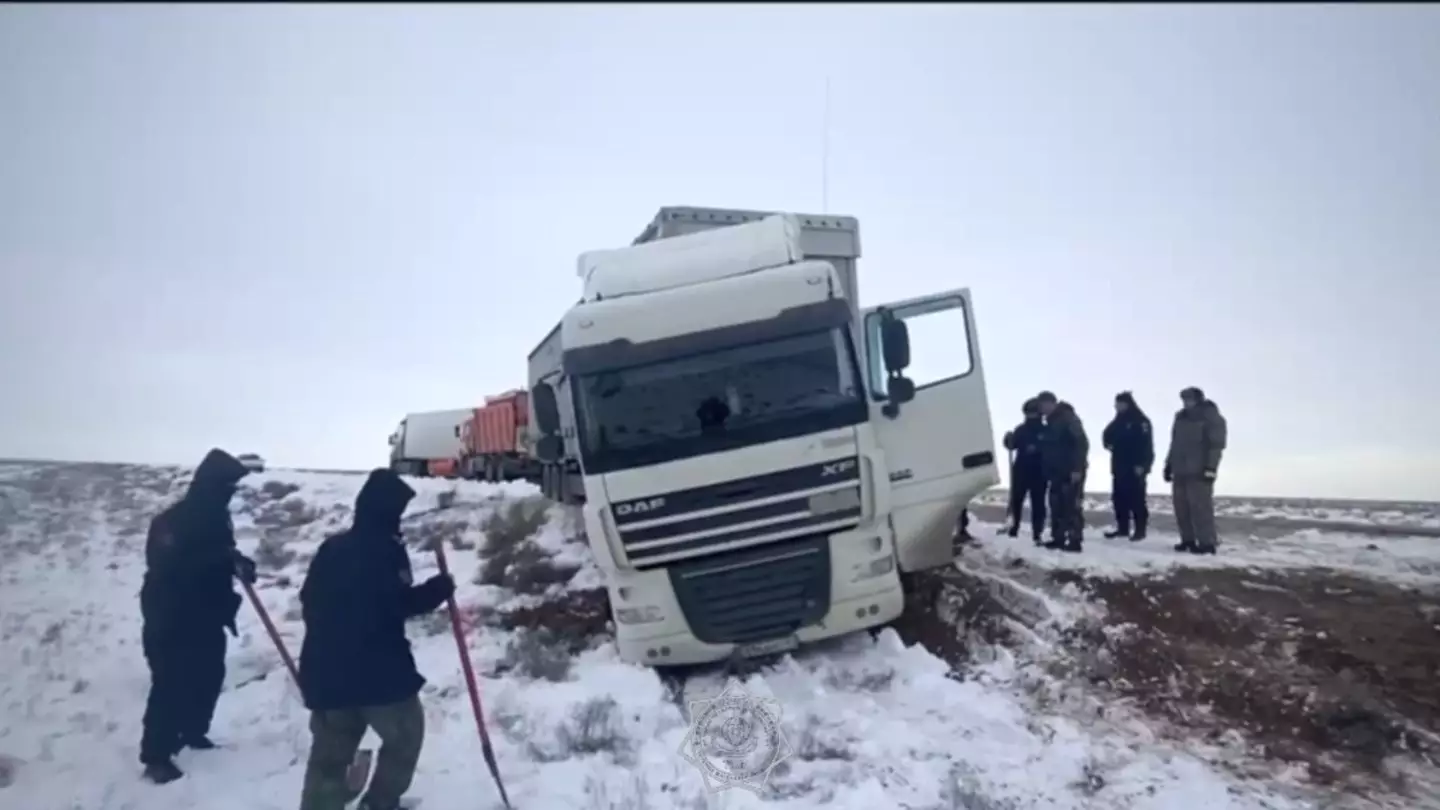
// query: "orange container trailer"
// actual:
[[494, 439]]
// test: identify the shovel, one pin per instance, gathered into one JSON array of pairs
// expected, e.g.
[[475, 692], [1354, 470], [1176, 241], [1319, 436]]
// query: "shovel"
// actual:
[[486, 749], [357, 776]]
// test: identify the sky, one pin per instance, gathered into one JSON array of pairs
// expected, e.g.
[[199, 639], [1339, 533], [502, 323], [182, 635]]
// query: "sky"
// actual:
[[278, 229]]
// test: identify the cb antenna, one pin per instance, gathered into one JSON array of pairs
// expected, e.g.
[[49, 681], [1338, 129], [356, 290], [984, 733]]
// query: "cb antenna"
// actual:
[[825, 153]]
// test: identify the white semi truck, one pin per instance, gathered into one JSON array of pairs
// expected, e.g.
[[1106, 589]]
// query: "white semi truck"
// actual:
[[429, 442], [755, 467]]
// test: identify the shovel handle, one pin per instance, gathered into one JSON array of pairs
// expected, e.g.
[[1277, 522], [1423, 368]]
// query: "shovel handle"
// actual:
[[468, 669], [271, 631]]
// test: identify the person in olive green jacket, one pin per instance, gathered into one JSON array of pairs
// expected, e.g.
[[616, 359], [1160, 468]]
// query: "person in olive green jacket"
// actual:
[[1197, 442]]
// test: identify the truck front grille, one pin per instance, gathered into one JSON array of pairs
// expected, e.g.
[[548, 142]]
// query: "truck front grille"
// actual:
[[817, 499], [755, 594]]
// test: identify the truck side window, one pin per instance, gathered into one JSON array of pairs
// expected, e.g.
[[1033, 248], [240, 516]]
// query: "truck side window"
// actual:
[[939, 343]]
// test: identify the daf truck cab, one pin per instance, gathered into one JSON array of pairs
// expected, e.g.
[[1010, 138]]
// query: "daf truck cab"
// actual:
[[758, 460]]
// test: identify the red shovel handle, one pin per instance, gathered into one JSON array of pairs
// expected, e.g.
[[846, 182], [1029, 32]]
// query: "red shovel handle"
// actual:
[[486, 749], [270, 629]]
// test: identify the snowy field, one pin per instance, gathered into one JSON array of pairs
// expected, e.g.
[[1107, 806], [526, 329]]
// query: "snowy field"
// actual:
[[994, 712], [1421, 515]]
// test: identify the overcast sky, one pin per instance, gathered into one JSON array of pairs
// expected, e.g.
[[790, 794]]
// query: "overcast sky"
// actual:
[[279, 228]]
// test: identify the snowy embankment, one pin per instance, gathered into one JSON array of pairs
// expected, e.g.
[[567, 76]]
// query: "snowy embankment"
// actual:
[[870, 722]]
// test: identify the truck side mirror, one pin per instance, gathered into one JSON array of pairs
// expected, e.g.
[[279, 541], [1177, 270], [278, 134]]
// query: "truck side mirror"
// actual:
[[895, 343], [549, 448], [899, 390], [547, 410]]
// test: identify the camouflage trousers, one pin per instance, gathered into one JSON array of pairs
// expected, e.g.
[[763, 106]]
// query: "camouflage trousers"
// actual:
[[335, 737], [1194, 500]]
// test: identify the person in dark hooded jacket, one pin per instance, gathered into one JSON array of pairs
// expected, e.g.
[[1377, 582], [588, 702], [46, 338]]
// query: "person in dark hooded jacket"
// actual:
[[187, 602], [1197, 442], [1064, 455], [356, 668], [1131, 443], [1027, 473]]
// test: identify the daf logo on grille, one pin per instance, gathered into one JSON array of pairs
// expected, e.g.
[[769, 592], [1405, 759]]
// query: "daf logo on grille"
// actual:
[[639, 507], [837, 467]]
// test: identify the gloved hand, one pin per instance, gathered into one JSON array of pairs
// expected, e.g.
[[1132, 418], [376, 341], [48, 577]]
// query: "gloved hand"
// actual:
[[1141, 471], [245, 569], [442, 585], [1167, 476], [1009, 440], [1209, 475]]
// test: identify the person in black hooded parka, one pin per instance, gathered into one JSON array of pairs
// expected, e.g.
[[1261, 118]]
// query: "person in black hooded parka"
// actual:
[[356, 668], [187, 602], [1131, 443], [1027, 472]]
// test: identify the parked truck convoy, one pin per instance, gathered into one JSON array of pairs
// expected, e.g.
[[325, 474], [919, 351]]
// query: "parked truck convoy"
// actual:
[[754, 466]]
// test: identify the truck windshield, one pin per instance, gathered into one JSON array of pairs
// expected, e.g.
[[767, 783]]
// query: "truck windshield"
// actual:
[[706, 403]]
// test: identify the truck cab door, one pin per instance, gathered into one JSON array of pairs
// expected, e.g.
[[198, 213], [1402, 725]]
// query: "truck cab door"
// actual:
[[938, 446]]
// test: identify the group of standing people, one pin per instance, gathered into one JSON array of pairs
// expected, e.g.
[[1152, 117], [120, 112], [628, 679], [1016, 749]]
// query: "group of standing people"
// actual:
[[356, 669], [1049, 461]]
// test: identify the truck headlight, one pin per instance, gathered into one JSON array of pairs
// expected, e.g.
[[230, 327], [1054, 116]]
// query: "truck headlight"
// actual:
[[639, 615], [875, 568]]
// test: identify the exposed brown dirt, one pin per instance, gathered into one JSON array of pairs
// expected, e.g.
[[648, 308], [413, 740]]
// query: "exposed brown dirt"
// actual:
[[574, 619], [1316, 667], [947, 612]]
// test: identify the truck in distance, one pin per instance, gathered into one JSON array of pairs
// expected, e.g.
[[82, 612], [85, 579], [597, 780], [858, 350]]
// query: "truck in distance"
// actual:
[[495, 440], [428, 443], [755, 466]]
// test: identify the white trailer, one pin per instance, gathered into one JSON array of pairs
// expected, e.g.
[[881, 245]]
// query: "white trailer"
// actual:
[[429, 442], [755, 465]]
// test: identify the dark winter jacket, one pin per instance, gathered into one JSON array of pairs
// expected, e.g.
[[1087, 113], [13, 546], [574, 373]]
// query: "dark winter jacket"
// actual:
[[1197, 441], [1064, 447], [356, 598], [1026, 440], [1131, 442], [190, 556]]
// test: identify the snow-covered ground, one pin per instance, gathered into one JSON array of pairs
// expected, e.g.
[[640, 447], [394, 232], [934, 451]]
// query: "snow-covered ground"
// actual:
[[871, 722], [1416, 514], [1409, 560]]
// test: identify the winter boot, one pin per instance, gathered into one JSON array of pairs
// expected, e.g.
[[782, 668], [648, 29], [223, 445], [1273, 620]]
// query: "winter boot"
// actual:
[[1139, 532], [1074, 545], [1118, 531], [1011, 531], [1055, 544], [1202, 549], [1184, 546], [162, 772], [200, 743]]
